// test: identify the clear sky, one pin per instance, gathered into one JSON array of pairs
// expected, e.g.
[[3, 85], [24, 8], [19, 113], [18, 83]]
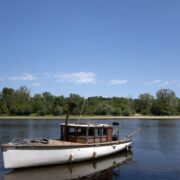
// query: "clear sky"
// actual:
[[90, 47]]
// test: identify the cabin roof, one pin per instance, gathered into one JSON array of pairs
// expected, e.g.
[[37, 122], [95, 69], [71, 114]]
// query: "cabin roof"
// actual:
[[87, 125]]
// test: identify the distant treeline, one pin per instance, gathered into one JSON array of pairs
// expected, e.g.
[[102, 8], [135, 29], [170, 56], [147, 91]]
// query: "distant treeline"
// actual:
[[19, 102]]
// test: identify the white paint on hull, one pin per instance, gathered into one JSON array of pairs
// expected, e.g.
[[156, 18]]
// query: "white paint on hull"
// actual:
[[74, 171], [18, 158]]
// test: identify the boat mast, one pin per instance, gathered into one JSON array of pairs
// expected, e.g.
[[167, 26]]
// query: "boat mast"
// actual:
[[67, 119]]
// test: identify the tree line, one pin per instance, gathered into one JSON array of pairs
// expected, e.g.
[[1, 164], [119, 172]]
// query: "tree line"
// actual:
[[20, 102]]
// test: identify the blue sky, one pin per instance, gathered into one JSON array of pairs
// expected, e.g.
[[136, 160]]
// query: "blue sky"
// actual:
[[90, 47]]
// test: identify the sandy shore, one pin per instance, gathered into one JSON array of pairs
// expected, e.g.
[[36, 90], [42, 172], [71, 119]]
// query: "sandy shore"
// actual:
[[91, 117]]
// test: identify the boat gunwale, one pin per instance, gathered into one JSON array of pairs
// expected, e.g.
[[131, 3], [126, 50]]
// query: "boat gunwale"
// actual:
[[37, 146]]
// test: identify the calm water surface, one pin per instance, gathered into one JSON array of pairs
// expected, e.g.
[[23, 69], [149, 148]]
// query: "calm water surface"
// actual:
[[155, 153]]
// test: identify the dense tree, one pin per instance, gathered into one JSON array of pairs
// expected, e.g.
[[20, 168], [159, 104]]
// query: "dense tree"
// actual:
[[144, 104], [19, 102], [103, 109], [91, 104], [7, 99], [59, 106], [3, 108], [38, 104], [78, 102], [178, 106], [58, 110], [116, 112], [126, 111], [22, 102], [48, 102], [166, 102]]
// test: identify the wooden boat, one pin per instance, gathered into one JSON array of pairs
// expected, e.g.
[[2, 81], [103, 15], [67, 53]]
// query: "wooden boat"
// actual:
[[78, 142], [83, 142]]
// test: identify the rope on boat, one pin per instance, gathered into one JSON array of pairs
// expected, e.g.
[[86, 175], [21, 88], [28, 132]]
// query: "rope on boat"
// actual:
[[43, 141], [28, 141], [129, 136], [82, 109]]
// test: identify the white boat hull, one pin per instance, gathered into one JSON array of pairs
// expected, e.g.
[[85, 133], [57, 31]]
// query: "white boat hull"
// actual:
[[74, 171], [17, 157]]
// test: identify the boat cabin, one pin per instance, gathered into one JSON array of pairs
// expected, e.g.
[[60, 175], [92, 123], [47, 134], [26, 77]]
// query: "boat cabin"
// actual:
[[83, 133]]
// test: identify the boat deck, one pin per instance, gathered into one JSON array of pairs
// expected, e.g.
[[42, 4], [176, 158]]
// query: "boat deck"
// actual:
[[59, 143], [53, 142]]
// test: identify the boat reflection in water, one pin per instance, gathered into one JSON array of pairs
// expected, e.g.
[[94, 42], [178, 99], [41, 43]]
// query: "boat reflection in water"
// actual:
[[102, 168]]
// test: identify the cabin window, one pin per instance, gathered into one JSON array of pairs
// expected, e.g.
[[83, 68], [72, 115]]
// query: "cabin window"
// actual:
[[104, 132], [81, 131], [91, 132], [100, 132], [96, 132], [72, 131]]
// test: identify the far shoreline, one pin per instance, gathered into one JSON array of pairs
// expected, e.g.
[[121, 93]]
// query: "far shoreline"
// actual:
[[89, 117]]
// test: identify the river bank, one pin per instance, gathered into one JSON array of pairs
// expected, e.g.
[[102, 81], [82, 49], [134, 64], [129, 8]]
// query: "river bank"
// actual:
[[91, 117]]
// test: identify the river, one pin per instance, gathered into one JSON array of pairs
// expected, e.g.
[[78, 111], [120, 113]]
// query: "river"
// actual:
[[155, 152]]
